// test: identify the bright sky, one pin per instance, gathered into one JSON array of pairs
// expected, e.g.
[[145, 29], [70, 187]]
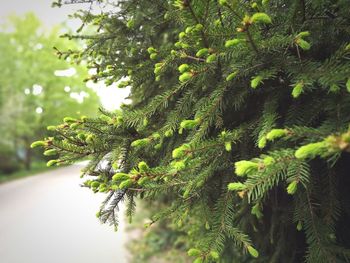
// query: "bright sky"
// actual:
[[111, 97], [42, 8]]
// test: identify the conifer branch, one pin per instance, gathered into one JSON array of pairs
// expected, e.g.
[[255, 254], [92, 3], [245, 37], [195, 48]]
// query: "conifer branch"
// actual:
[[251, 41], [204, 38], [190, 125]]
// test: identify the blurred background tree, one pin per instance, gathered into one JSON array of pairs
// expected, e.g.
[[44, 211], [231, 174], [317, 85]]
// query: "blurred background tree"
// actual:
[[36, 88]]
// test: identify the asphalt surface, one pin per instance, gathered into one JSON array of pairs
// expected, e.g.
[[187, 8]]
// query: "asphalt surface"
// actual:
[[49, 218]]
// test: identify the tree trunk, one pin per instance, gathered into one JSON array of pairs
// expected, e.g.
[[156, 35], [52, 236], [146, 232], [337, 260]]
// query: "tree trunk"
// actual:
[[28, 159], [28, 155]]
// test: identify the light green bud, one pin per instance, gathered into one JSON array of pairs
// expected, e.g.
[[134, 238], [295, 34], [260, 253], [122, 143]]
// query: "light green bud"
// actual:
[[297, 90], [179, 165], [202, 52], [311, 150], [188, 29], [181, 151], [120, 176], [334, 88], [140, 142], [52, 162], [253, 252], [120, 119], [228, 146], [256, 81], [276, 134], [193, 252], [292, 187], [143, 180], [303, 44], [236, 187], [38, 143], [151, 50], [145, 122], [299, 226], [130, 23], [182, 35], [214, 255], [73, 126], [245, 167], [268, 160], [126, 184], [178, 44], [262, 142], [265, 2], [261, 18], [143, 167], [232, 42], [168, 133], [69, 120], [50, 152], [183, 68], [90, 138], [256, 210], [304, 34], [189, 124], [198, 260], [199, 27], [81, 136], [232, 75], [153, 56], [95, 184], [157, 70], [185, 76], [211, 58]]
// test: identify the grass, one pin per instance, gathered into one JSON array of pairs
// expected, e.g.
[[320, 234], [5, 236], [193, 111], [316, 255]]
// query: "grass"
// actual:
[[37, 167]]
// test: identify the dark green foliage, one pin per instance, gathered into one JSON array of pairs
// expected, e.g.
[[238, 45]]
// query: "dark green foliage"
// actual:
[[270, 111], [8, 162]]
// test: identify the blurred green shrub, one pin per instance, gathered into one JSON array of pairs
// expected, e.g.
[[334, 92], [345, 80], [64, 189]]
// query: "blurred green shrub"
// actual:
[[161, 243], [8, 162]]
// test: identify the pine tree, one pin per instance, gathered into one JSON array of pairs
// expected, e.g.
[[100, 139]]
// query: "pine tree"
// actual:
[[239, 122]]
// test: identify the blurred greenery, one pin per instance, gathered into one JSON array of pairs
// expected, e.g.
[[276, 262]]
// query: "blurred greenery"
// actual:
[[159, 243], [36, 167], [36, 88]]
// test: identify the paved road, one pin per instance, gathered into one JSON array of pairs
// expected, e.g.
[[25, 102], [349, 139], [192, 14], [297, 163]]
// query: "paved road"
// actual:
[[48, 218]]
